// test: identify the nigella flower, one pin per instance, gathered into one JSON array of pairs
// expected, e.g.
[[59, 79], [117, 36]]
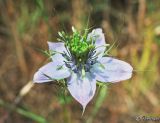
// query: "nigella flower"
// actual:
[[80, 60]]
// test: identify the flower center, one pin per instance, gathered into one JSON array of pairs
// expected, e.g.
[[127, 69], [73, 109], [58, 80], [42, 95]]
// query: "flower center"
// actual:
[[81, 51], [79, 48]]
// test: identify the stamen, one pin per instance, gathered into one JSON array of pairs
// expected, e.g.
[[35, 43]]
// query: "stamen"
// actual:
[[91, 53], [68, 65], [75, 69], [68, 58], [68, 51]]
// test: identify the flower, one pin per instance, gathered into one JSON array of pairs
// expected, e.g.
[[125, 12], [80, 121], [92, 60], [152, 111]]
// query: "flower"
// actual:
[[80, 61]]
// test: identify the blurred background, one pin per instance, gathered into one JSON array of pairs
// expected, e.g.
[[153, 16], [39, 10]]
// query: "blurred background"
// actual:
[[27, 25]]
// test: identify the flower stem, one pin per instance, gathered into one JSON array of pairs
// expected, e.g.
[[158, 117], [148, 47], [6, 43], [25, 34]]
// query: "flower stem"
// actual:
[[66, 114]]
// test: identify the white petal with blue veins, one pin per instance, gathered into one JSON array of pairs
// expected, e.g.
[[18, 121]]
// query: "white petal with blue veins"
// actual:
[[82, 89], [112, 70], [58, 47], [51, 71], [99, 38]]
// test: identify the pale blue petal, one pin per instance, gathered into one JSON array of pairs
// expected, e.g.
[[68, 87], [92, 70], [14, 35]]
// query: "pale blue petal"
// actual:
[[51, 71], [112, 70], [58, 47], [99, 38], [82, 89]]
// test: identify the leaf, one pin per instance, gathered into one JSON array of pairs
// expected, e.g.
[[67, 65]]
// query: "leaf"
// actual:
[[31, 115]]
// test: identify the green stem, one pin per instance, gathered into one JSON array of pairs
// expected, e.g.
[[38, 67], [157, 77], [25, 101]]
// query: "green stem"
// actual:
[[65, 109], [101, 98], [25, 113]]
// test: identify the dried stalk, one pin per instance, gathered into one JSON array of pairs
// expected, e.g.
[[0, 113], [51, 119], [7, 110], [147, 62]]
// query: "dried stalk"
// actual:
[[141, 14]]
